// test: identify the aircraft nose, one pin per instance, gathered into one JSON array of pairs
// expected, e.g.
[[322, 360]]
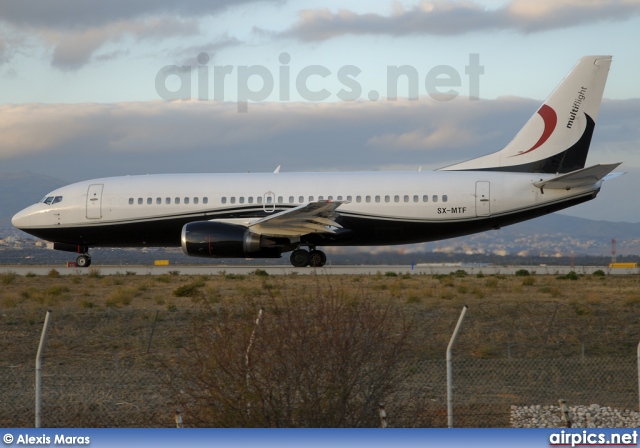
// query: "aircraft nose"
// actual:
[[21, 219]]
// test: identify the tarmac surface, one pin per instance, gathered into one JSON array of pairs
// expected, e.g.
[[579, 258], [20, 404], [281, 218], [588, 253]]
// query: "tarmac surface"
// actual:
[[424, 269]]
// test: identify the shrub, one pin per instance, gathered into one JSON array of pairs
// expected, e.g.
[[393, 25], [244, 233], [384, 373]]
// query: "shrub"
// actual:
[[529, 281], [53, 274], [8, 277], [30, 274], [94, 273], [522, 273], [122, 296], [460, 273], [260, 273], [287, 372], [598, 273], [390, 274], [188, 290], [569, 276], [234, 276]]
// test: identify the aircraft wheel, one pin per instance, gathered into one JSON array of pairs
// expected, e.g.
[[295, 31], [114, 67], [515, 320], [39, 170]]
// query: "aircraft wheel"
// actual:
[[299, 258], [317, 259], [83, 261]]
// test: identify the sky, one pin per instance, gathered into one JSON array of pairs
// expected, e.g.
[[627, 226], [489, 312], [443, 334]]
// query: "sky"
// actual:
[[102, 89]]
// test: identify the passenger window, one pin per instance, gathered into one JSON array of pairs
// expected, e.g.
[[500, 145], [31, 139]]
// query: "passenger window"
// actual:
[[177, 201], [139, 201], [339, 198], [186, 200], [259, 199], [330, 198], [377, 198], [205, 200], [435, 198], [445, 198], [406, 198], [358, 199], [387, 198], [310, 198], [149, 201], [195, 200], [223, 200], [233, 199], [425, 198], [280, 200], [167, 200], [158, 201], [301, 199], [368, 199], [241, 199], [349, 198], [415, 198], [250, 199], [290, 199], [130, 201]]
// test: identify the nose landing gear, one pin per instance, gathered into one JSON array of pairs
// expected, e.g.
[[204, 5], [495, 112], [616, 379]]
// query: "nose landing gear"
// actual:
[[301, 258], [83, 261]]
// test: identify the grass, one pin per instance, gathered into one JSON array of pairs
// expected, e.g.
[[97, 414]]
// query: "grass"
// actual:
[[97, 318], [502, 310]]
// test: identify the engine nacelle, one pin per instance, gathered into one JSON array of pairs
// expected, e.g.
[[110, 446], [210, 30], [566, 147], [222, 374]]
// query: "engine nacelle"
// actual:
[[221, 240]]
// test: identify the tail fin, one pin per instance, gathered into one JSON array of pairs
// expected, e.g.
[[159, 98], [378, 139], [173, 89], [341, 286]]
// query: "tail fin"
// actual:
[[556, 138]]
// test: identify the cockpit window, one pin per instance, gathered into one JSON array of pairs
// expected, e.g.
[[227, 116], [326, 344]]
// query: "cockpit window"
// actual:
[[49, 200]]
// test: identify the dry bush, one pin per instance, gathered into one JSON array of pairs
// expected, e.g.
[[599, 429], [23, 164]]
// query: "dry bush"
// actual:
[[325, 361]]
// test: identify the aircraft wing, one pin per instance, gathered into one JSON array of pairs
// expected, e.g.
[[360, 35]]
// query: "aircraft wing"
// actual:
[[318, 216], [579, 178]]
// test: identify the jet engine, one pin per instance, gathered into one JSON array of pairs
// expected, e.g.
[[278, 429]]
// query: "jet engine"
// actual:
[[221, 240]]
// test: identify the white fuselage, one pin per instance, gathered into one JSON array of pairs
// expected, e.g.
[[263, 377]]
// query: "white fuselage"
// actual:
[[104, 212]]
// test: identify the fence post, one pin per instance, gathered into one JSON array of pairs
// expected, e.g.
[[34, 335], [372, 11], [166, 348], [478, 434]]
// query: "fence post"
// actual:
[[383, 415], [565, 412], [43, 341], [639, 379], [449, 368]]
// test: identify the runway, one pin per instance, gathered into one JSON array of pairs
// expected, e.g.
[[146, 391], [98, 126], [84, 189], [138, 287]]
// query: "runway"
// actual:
[[420, 269]]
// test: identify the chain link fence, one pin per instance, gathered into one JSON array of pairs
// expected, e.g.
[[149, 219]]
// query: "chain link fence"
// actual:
[[97, 373], [134, 393]]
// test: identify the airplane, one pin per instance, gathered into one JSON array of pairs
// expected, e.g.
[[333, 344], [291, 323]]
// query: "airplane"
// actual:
[[263, 215]]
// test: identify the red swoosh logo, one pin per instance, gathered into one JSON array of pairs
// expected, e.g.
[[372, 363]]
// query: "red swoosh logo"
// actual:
[[550, 120]]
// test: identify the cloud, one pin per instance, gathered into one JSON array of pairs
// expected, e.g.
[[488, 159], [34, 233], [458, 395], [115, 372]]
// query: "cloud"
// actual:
[[76, 29], [210, 136], [65, 15], [440, 17], [72, 50]]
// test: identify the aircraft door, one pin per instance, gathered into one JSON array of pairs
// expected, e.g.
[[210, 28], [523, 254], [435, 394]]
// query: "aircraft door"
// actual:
[[269, 202], [483, 198], [94, 201]]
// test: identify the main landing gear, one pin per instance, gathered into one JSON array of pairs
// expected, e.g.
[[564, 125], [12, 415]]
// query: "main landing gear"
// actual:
[[301, 258], [83, 261]]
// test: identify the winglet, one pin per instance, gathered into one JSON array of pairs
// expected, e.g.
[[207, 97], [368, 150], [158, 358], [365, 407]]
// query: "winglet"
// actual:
[[277, 170]]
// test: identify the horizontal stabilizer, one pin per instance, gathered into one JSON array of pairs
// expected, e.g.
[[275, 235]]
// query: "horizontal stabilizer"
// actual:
[[579, 178]]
